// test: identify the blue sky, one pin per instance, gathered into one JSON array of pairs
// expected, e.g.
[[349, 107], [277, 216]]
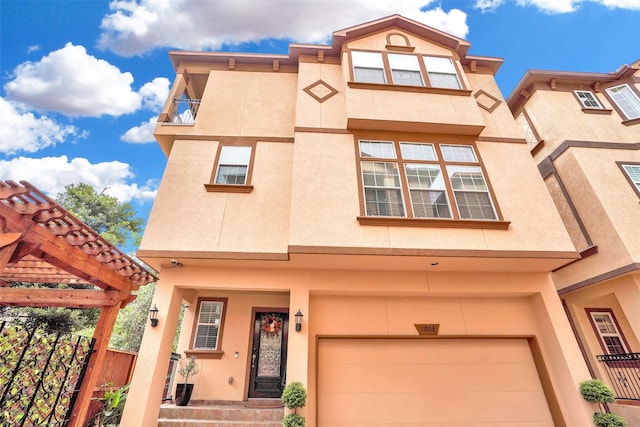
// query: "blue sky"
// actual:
[[82, 81]]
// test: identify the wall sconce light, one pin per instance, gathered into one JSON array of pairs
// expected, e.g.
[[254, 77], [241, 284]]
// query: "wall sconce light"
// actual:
[[153, 316], [299, 317]]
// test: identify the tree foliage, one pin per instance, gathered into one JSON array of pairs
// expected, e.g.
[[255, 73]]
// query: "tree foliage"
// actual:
[[131, 321], [113, 220]]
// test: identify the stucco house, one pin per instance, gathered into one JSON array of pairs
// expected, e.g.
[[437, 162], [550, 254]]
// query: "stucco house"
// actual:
[[584, 133], [381, 188]]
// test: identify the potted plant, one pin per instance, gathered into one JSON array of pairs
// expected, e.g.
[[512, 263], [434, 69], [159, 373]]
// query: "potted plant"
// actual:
[[184, 389], [597, 391], [294, 396]]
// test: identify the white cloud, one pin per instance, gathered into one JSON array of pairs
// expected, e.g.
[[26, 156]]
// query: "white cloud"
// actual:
[[24, 132], [52, 174], [74, 83], [136, 26], [155, 93], [141, 134], [558, 6], [33, 48]]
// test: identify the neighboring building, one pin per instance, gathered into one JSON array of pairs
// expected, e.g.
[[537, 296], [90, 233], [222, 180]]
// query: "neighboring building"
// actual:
[[584, 134], [381, 187]]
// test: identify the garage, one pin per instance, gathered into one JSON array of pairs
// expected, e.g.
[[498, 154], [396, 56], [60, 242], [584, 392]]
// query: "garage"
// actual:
[[429, 382]]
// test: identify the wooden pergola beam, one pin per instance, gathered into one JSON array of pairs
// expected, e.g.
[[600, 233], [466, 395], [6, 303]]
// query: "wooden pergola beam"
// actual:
[[73, 298]]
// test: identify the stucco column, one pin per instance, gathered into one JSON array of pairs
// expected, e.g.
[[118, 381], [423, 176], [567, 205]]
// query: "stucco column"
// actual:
[[562, 357], [145, 394], [628, 297], [298, 351]]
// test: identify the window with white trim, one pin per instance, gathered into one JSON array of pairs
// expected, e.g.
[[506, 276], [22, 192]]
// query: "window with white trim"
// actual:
[[588, 99], [626, 100], [208, 328], [423, 180], [233, 165], [633, 174], [405, 70], [608, 331]]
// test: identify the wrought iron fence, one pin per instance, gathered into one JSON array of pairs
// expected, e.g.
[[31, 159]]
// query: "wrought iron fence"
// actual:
[[40, 375], [624, 374], [185, 110]]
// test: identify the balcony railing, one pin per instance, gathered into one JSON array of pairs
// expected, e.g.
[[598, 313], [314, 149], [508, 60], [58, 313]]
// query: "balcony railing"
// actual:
[[184, 111], [624, 374]]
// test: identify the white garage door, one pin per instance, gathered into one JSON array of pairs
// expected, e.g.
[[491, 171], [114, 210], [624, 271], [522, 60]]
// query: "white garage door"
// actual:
[[429, 382]]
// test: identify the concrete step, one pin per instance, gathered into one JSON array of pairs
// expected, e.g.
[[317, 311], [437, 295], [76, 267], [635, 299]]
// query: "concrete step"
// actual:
[[222, 414]]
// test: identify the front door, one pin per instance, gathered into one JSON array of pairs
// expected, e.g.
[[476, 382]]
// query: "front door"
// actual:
[[269, 353]]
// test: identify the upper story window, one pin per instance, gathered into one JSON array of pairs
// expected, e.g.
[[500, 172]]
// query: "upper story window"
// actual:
[[633, 174], [423, 180], [626, 100], [233, 165], [405, 70], [588, 100], [232, 169]]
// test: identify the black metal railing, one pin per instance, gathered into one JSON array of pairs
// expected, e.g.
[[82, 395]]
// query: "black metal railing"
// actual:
[[624, 374], [40, 375], [184, 111]]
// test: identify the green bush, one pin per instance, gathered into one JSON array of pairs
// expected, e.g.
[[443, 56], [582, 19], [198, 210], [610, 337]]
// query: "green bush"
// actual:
[[608, 420], [294, 395], [293, 420], [596, 391]]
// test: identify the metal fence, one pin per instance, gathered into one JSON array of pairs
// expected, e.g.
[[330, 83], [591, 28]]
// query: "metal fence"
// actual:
[[40, 375], [624, 374]]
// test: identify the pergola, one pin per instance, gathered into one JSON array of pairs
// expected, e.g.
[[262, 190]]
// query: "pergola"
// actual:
[[40, 242]]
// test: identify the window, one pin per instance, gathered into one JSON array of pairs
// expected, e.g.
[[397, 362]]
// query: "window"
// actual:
[[608, 330], [423, 180], [207, 333], [368, 67], [626, 100], [588, 99], [233, 165], [442, 72], [633, 175], [405, 70], [233, 168]]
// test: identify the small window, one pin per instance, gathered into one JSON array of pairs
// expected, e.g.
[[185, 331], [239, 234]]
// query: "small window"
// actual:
[[209, 322], [368, 67], [588, 99], [233, 165], [633, 175], [442, 73], [422, 180], [608, 330], [405, 70], [626, 100]]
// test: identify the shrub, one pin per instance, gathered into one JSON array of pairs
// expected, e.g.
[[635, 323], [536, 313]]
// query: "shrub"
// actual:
[[608, 420], [294, 395], [293, 420], [596, 391]]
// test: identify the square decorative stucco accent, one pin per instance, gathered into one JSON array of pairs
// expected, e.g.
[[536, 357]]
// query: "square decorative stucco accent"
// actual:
[[320, 91], [486, 100]]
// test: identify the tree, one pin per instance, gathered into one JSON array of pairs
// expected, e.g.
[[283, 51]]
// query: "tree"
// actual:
[[131, 321]]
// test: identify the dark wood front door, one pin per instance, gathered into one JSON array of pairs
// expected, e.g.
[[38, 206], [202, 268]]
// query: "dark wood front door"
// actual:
[[269, 353]]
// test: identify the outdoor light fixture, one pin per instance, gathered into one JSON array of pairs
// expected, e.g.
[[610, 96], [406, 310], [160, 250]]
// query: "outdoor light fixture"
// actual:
[[299, 317], [153, 316]]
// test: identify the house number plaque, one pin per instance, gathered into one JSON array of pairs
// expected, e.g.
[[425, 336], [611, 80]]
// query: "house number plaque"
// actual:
[[427, 328]]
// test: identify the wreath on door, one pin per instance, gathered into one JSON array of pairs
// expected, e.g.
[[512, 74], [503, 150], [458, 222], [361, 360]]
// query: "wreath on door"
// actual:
[[271, 325]]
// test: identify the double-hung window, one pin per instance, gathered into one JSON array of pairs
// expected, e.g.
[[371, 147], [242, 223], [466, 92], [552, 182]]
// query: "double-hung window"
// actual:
[[208, 328], [633, 174], [608, 330], [405, 70], [423, 180], [626, 100], [233, 165], [588, 100]]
